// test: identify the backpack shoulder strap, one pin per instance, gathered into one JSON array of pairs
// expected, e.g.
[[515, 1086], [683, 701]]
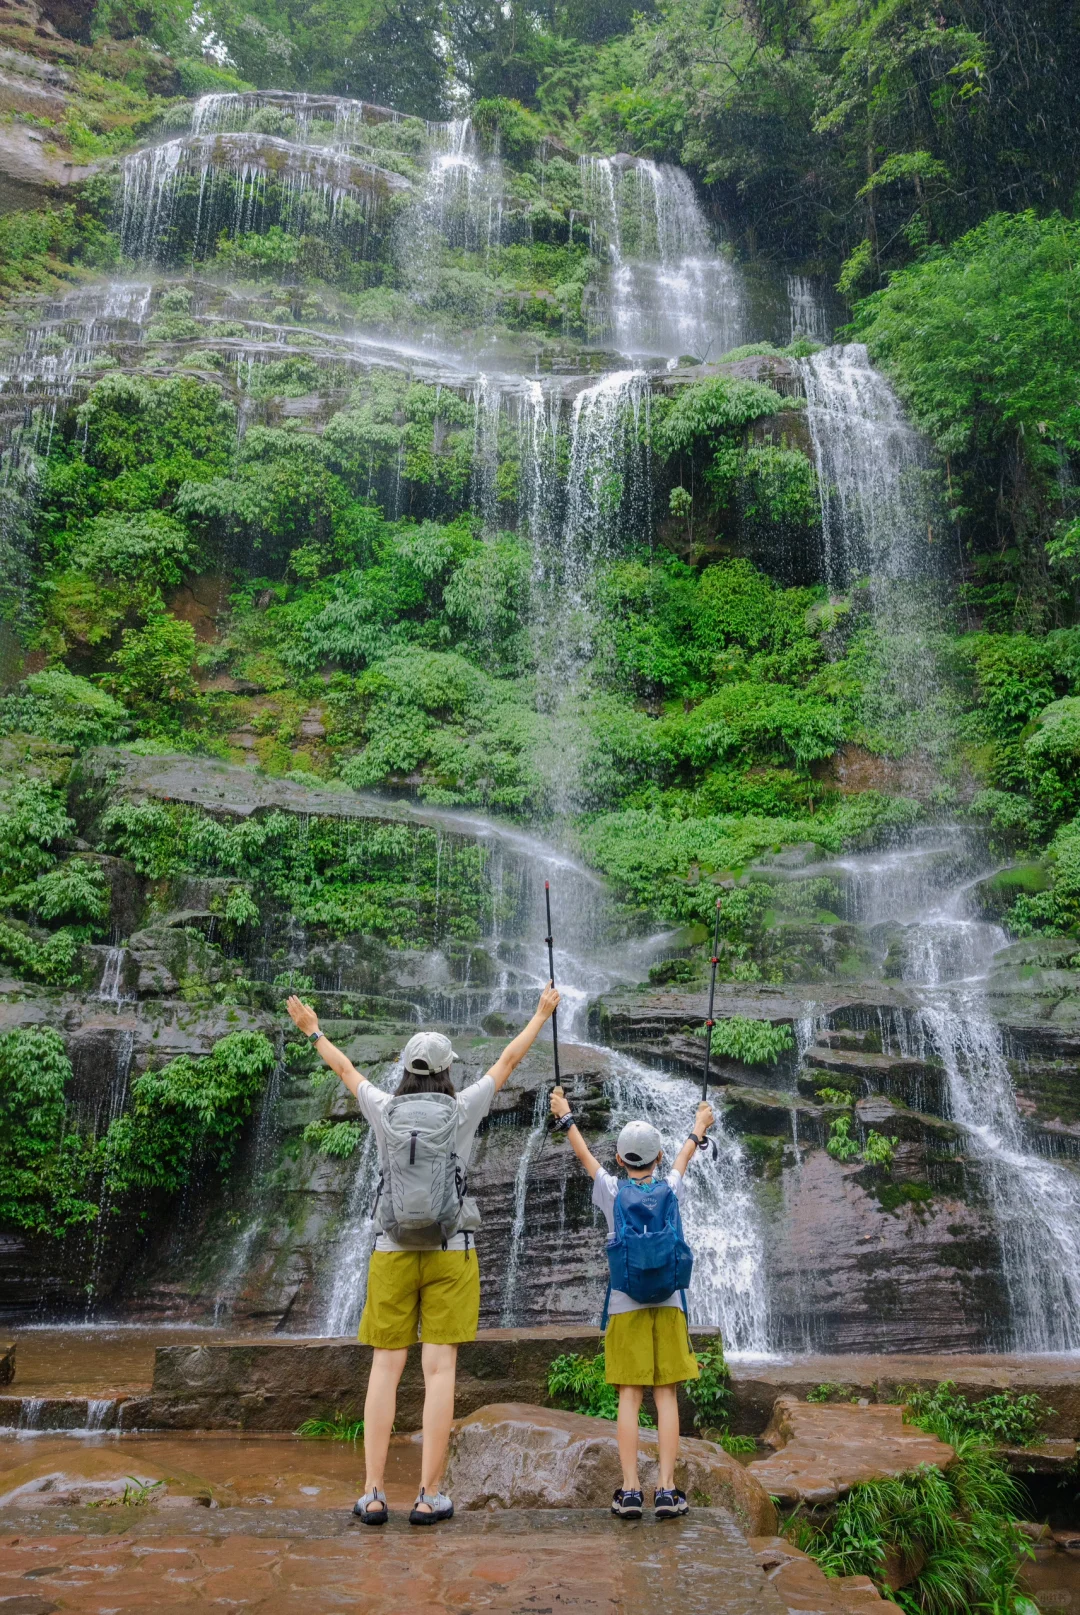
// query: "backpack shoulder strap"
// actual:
[[604, 1314]]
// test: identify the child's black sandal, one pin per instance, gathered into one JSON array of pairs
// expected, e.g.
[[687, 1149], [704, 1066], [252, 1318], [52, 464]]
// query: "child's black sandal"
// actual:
[[628, 1504], [669, 1503]]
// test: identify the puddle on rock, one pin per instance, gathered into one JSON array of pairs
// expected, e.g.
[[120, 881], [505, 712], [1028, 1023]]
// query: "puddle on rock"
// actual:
[[176, 1471]]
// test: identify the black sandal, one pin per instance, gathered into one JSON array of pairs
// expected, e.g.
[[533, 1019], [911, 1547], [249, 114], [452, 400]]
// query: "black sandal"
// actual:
[[628, 1505], [669, 1503], [368, 1515]]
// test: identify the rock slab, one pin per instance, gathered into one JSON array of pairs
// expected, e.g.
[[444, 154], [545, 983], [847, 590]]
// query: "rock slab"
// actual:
[[823, 1450], [510, 1455]]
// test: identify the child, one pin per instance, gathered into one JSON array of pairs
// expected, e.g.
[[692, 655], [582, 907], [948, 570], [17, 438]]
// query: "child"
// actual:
[[643, 1344]]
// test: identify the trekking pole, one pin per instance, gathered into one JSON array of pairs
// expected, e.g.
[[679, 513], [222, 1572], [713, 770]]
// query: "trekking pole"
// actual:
[[710, 1022], [554, 1014], [551, 972]]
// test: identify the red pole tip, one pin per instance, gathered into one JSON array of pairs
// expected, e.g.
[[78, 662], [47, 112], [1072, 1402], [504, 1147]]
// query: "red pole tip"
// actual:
[[719, 901], [547, 885]]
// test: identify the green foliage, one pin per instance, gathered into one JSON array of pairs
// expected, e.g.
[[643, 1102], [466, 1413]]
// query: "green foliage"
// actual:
[[829, 1391], [1008, 1418], [878, 1150], [396, 881], [841, 1146], [64, 708], [960, 1525], [44, 1163], [753, 1042], [339, 1140], [36, 249], [710, 410], [834, 1096], [578, 1384], [339, 1427], [154, 676], [982, 341], [186, 1115], [710, 1395]]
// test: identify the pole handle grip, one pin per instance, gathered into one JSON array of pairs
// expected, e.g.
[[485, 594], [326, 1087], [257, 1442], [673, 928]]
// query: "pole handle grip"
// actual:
[[559, 1092]]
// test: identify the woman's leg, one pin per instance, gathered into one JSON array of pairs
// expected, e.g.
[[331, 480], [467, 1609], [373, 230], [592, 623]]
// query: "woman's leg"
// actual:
[[380, 1406], [440, 1375], [667, 1432], [627, 1429]]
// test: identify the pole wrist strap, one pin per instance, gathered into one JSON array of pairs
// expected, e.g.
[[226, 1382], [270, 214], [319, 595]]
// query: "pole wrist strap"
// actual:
[[564, 1123]]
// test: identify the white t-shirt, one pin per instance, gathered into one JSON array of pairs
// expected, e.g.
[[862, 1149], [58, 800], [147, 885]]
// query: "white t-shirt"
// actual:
[[605, 1188], [473, 1104]]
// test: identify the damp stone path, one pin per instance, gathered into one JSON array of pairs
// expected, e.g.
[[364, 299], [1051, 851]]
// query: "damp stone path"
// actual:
[[311, 1562]]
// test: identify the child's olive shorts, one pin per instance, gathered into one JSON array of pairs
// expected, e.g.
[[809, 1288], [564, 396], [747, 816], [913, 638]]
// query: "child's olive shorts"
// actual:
[[650, 1346], [429, 1295]]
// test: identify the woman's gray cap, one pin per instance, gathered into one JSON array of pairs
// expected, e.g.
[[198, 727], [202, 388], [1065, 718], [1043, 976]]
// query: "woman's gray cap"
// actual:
[[639, 1144], [428, 1053]]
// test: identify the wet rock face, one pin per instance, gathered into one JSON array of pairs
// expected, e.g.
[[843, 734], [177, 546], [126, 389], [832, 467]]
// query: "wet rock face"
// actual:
[[823, 1451], [516, 1456]]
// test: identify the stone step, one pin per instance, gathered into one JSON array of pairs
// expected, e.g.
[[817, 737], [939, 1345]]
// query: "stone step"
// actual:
[[862, 1063], [846, 1037], [64, 1412], [859, 1071]]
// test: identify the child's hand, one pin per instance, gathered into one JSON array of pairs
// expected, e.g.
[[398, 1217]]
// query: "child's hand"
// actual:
[[549, 1002], [704, 1119], [304, 1016], [560, 1105]]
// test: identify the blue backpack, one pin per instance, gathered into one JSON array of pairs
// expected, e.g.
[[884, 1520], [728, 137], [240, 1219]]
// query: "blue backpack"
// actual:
[[648, 1258]]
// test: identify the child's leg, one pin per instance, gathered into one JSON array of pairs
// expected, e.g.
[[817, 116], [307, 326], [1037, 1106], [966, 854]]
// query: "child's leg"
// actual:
[[380, 1405], [667, 1432], [629, 1408]]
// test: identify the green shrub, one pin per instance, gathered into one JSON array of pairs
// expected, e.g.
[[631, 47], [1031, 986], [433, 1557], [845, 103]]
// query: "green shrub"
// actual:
[[62, 707], [578, 1384], [1008, 1418], [878, 1150], [45, 1165], [841, 1146], [753, 1042], [337, 1139], [710, 1395], [189, 1112]]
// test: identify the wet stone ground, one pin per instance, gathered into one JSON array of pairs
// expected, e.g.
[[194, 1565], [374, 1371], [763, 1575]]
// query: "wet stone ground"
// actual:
[[311, 1563]]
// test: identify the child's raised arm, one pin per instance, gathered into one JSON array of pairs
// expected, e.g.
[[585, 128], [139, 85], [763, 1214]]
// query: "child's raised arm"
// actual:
[[560, 1106], [702, 1122]]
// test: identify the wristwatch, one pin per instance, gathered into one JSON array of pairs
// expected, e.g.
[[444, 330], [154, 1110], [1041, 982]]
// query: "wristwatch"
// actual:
[[313, 1037]]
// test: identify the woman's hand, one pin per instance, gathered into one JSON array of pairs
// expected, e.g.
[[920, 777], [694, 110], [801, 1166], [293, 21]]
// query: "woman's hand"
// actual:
[[704, 1119], [560, 1105], [549, 1002], [303, 1014]]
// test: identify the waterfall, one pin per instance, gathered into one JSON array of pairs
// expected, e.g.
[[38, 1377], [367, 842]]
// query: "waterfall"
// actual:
[[924, 892], [808, 316], [671, 292], [719, 1215], [112, 976], [874, 471], [346, 1284], [1035, 1201]]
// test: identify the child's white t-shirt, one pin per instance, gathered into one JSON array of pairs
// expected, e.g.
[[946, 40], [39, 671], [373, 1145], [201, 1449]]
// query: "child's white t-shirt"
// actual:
[[604, 1190]]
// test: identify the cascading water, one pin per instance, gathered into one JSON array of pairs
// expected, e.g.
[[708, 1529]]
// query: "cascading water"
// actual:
[[874, 472], [593, 954], [946, 954], [671, 293]]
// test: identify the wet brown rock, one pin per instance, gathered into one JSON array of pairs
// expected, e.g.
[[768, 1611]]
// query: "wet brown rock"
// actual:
[[7, 1364], [510, 1455], [806, 1590], [823, 1450]]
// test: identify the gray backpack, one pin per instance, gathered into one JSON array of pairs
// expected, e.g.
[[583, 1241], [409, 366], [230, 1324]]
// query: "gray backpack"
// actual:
[[422, 1183]]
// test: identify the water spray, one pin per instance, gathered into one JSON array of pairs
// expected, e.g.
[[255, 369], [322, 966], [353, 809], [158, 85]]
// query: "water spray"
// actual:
[[710, 1022]]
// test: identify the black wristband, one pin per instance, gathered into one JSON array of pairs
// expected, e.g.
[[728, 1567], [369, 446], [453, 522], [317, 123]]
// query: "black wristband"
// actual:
[[564, 1123], [313, 1037], [699, 1143]]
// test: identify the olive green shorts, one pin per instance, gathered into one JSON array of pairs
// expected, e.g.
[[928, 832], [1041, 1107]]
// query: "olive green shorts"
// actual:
[[650, 1346], [421, 1295]]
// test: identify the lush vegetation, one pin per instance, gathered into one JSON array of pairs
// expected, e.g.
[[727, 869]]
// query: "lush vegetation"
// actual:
[[951, 1535], [184, 1121]]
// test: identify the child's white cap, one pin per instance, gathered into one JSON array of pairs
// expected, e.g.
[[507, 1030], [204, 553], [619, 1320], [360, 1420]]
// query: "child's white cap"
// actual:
[[639, 1144]]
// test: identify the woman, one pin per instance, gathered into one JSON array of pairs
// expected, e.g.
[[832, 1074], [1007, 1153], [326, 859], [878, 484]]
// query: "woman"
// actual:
[[423, 1278]]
